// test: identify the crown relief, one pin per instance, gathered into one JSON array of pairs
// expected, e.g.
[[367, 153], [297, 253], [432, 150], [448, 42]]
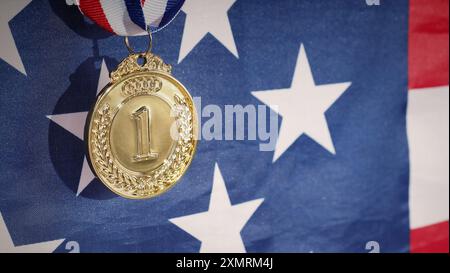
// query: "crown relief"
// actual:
[[130, 65]]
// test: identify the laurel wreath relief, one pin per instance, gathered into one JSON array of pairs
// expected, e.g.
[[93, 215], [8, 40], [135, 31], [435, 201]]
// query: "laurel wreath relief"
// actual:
[[162, 177]]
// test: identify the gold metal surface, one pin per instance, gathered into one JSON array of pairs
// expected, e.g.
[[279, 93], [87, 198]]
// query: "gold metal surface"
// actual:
[[140, 132]]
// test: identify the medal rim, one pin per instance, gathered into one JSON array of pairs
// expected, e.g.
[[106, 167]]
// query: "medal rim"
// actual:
[[95, 107]]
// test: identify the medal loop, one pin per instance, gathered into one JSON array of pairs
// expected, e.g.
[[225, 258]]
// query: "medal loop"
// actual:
[[149, 47]]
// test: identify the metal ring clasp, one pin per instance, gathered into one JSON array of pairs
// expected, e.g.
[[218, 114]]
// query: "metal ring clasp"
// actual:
[[150, 43]]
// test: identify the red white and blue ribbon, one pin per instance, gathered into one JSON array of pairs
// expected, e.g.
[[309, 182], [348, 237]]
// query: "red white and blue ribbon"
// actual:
[[131, 17]]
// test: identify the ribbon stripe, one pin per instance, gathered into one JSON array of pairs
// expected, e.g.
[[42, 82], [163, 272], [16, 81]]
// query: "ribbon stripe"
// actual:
[[154, 12], [117, 14], [134, 9], [131, 17], [172, 9], [93, 9]]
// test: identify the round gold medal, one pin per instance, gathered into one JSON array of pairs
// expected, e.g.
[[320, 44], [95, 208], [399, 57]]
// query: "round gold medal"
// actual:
[[141, 131]]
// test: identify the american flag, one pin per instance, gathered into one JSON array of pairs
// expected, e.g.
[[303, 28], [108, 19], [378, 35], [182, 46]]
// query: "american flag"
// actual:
[[360, 162]]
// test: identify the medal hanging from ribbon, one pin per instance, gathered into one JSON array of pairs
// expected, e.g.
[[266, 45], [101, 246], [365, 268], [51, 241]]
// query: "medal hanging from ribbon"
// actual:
[[140, 132]]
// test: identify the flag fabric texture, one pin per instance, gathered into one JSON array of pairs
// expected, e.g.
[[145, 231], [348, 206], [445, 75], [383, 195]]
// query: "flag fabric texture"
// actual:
[[361, 157]]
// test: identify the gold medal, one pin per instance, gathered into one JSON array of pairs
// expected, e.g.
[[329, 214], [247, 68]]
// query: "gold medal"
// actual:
[[141, 131]]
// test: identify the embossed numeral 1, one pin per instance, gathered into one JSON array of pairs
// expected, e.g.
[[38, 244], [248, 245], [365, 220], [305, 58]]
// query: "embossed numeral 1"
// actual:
[[142, 116]]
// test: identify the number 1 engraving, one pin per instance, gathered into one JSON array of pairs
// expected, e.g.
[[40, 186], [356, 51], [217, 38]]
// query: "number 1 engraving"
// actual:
[[143, 119]]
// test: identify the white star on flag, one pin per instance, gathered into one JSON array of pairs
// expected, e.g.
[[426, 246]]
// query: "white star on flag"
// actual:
[[303, 107], [7, 244], [8, 50], [203, 17], [219, 229], [74, 123]]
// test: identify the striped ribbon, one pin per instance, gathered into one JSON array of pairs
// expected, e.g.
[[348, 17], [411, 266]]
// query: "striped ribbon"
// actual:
[[131, 17]]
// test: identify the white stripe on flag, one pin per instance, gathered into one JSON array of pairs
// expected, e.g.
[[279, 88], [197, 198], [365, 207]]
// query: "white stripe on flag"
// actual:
[[154, 11], [428, 137], [118, 18]]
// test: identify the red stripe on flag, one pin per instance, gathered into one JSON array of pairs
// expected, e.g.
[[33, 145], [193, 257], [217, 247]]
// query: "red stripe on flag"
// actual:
[[428, 43], [93, 9], [430, 239]]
